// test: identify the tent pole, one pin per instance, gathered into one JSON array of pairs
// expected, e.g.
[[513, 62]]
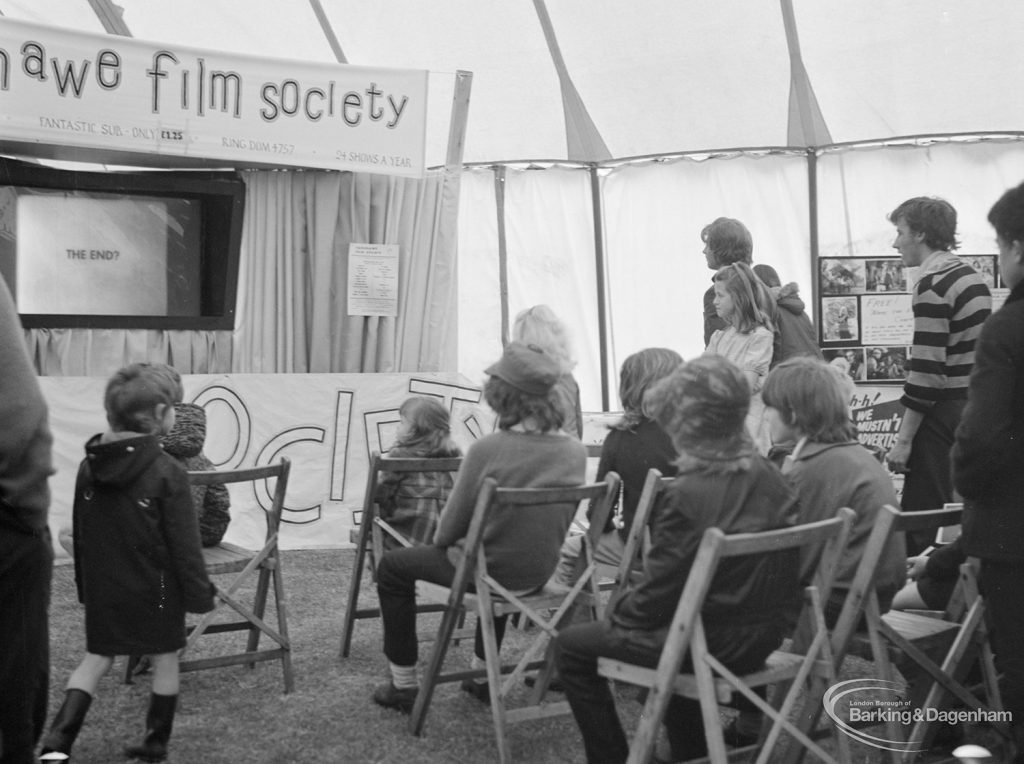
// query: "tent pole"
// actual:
[[602, 317], [111, 17], [499, 203], [328, 30], [448, 228], [812, 211]]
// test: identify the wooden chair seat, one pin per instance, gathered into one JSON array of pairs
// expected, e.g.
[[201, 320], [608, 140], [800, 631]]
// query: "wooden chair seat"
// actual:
[[226, 558], [778, 667]]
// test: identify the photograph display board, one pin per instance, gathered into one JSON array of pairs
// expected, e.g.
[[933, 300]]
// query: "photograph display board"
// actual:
[[866, 316]]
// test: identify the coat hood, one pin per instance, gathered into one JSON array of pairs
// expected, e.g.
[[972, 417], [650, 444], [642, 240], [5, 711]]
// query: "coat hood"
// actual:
[[188, 435], [119, 462], [788, 298]]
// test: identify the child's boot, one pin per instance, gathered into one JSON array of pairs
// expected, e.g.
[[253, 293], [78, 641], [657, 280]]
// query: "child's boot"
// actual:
[[66, 725], [159, 721]]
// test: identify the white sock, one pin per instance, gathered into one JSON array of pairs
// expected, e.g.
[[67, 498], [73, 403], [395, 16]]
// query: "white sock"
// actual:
[[476, 663], [404, 677]]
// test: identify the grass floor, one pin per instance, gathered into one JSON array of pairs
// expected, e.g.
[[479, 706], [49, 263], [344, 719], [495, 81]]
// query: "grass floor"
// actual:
[[238, 714]]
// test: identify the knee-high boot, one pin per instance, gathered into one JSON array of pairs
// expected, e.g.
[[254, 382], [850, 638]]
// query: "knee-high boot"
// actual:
[[159, 721], [66, 725]]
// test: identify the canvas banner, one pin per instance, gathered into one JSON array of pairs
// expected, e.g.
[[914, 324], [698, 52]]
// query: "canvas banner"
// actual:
[[122, 96], [326, 424]]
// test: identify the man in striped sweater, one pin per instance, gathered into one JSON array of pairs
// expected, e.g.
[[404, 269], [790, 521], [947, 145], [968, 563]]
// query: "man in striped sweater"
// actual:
[[950, 303]]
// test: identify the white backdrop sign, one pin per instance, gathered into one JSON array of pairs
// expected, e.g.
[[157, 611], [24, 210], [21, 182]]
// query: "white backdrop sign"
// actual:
[[119, 94], [326, 424]]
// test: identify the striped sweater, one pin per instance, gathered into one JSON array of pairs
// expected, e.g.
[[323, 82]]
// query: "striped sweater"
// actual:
[[950, 304]]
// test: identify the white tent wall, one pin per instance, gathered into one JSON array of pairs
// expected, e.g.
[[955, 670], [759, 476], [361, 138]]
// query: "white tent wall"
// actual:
[[654, 213], [859, 187]]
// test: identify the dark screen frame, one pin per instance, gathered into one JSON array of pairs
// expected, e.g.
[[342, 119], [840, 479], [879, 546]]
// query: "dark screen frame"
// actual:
[[222, 199]]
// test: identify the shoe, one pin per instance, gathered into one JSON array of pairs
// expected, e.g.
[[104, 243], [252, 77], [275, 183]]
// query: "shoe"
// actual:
[[159, 723], [401, 698], [555, 685], [66, 725], [479, 690], [736, 739]]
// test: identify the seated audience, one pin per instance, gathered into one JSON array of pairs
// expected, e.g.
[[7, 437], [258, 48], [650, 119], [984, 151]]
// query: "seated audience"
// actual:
[[932, 578], [635, 445], [723, 482], [807, 405], [410, 502], [541, 327], [185, 443], [529, 450]]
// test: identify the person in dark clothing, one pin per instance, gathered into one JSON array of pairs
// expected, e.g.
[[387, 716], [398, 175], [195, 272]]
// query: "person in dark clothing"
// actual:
[[987, 455], [793, 327], [635, 445], [138, 561], [723, 482], [26, 554]]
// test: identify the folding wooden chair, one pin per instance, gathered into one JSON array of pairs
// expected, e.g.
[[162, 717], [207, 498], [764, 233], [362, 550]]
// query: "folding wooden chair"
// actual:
[[369, 536], [897, 635], [711, 682], [909, 639], [244, 564], [474, 589]]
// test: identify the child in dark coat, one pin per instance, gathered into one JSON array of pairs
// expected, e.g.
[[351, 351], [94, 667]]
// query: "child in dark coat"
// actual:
[[138, 561]]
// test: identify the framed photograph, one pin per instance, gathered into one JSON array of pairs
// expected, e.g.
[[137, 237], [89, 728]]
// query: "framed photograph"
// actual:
[[848, 360], [841, 275], [884, 276], [886, 364], [985, 265], [840, 319]]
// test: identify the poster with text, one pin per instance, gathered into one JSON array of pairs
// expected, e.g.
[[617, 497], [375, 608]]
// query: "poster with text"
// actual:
[[373, 279]]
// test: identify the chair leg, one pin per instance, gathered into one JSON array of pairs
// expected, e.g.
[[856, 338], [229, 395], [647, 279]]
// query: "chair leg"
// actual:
[[354, 584], [492, 661], [281, 604], [418, 717], [260, 604]]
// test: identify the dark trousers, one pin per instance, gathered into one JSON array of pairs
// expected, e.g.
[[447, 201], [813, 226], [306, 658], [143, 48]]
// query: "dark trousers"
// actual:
[[1001, 583], [397, 574], [928, 484], [578, 647], [26, 567]]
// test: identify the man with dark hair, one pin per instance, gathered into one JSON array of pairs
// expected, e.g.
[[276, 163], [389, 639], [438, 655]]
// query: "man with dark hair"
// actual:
[[950, 303], [26, 555], [726, 241], [987, 458]]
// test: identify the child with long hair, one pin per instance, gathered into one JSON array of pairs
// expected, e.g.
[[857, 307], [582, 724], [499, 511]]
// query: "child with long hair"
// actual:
[[528, 450], [410, 502], [807, 404], [634, 445], [138, 562], [724, 483], [539, 326], [745, 304]]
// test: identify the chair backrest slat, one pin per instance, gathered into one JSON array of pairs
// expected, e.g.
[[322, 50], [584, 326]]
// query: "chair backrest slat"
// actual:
[[279, 471], [714, 547]]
